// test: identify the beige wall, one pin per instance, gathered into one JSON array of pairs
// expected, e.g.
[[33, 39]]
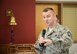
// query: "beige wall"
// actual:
[[39, 22], [70, 19]]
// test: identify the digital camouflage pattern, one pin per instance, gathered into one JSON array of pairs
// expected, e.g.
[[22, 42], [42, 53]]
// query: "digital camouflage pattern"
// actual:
[[62, 40]]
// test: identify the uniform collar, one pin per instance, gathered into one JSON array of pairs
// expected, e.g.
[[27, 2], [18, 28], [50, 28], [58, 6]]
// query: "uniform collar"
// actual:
[[54, 29]]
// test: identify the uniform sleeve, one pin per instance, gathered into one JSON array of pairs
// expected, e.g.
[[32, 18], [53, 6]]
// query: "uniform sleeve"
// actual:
[[37, 47], [65, 38]]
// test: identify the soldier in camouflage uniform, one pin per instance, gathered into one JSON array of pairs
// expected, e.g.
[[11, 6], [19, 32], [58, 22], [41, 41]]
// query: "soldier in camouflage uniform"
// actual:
[[57, 38]]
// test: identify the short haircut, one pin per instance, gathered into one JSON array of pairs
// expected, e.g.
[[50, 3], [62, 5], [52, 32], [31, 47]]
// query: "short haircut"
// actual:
[[46, 9]]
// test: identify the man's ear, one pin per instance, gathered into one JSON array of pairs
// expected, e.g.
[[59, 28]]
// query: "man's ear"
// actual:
[[56, 18]]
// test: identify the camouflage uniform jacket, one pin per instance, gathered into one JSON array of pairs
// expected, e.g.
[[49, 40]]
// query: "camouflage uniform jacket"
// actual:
[[61, 37]]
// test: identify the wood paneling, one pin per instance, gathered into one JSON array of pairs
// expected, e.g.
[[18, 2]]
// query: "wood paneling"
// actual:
[[17, 49]]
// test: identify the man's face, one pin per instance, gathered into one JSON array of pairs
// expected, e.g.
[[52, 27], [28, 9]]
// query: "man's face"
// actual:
[[49, 17]]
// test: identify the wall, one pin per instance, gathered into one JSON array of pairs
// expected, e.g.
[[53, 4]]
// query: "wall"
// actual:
[[73, 49], [59, 0], [24, 12], [70, 19]]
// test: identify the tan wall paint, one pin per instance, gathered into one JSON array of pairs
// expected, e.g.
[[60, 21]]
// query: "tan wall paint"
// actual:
[[70, 19]]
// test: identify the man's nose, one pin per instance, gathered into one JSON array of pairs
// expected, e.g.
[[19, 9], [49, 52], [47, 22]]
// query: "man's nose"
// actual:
[[46, 20]]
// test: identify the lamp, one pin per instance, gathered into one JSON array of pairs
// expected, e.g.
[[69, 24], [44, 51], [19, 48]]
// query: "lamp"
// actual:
[[12, 23]]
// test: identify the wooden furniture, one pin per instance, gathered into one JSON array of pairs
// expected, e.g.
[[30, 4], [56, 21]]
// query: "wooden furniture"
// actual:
[[17, 48], [4, 49]]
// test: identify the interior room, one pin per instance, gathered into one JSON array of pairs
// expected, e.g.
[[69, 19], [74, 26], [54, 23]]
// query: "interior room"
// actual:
[[21, 23]]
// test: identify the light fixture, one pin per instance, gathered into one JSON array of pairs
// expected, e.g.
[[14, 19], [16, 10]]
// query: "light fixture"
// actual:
[[9, 12], [12, 23]]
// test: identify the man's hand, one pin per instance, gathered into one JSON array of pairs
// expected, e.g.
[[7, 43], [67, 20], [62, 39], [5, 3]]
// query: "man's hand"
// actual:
[[41, 40], [47, 42]]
